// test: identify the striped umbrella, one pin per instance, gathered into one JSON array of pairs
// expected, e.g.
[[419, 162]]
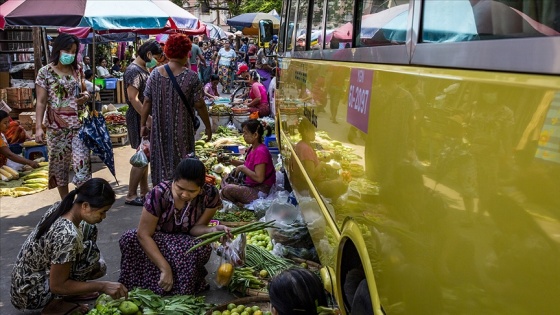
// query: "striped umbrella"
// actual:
[[100, 15]]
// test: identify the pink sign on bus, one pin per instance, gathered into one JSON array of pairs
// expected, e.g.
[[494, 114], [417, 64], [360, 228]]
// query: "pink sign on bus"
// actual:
[[359, 96]]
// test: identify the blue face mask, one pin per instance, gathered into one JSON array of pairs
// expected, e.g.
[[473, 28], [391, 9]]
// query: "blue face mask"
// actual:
[[66, 58], [152, 63]]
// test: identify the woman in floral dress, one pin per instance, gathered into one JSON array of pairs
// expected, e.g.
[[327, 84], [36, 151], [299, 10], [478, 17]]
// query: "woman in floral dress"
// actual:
[[172, 134], [225, 62], [175, 212], [60, 257], [62, 94]]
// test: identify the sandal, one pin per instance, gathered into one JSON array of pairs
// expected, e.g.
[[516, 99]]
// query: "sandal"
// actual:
[[61, 307], [138, 201]]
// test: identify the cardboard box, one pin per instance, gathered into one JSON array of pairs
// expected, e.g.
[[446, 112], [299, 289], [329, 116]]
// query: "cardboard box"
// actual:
[[4, 80], [27, 120], [20, 98]]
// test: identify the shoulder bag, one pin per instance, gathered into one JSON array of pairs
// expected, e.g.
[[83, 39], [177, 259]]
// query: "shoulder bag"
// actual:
[[196, 121]]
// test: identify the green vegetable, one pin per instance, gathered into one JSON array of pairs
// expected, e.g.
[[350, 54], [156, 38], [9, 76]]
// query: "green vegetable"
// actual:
[[261, 259], [209, 238]]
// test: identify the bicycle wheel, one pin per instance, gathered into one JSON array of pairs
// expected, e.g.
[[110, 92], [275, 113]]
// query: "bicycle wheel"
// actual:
[[240, 92]]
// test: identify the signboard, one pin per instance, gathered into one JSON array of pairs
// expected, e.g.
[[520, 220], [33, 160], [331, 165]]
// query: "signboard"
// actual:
[[359, 96]]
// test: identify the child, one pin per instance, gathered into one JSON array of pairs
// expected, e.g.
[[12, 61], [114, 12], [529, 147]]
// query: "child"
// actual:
[[5, 152]]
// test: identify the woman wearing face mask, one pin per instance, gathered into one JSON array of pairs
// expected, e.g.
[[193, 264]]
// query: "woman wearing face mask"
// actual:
[[176, 211], [135, 79], [62, 94]]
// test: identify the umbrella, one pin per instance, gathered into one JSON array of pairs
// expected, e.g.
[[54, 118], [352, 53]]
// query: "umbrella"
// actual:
[[214, 31], [344, 32], [97, 14], [96, 137], [248, 23]]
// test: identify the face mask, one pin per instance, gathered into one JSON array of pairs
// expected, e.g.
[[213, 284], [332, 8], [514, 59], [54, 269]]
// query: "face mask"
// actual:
[[152, 63], [66, 58]]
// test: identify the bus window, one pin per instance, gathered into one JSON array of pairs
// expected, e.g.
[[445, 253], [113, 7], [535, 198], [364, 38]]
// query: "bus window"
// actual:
[[457, 21], [316, 41], [381, 26], [340, 15], [290, 21], [301, 25], [281, 45]]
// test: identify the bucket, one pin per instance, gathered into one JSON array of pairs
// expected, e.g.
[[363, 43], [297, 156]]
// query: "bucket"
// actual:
[[239, 119], [219, 120]]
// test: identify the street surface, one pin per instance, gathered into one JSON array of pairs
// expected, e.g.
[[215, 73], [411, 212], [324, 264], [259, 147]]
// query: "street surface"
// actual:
[[18, 216]]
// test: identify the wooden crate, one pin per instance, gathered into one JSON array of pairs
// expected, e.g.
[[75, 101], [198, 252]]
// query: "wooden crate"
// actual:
[[119, 139], [19, 98]]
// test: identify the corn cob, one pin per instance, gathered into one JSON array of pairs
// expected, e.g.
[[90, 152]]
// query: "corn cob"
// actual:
[[40, 180], [43, 163], [6, 176], [14, 173], [40, 174], [35, 185]]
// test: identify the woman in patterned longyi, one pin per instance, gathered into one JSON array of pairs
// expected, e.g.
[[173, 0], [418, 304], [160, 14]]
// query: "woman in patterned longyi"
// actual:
[[60, 257], [175, 212]]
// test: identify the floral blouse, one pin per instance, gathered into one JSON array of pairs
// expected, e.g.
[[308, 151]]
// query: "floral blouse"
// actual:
[[159, 202], [62, 109]]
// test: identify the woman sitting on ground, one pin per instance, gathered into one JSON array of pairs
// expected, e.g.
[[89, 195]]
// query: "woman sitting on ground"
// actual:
[[258, 101], [257, 168], [60, 256], [175, 212], [211, 89]]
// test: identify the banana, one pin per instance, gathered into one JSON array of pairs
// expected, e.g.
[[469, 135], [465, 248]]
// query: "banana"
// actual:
[[40, 174], [10, 170], [35, 185], [43, 163]]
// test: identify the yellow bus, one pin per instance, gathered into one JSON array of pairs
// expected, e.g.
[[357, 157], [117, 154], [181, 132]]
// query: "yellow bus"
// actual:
[[422, 141]]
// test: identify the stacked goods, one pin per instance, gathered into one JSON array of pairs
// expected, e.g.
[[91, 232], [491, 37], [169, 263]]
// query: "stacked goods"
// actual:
[[19, 98]]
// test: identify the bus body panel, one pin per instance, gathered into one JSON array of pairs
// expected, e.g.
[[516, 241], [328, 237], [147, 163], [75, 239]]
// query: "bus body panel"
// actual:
[[452, 177]]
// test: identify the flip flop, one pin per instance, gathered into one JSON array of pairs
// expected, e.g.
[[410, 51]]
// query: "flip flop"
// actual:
[[138, 201]]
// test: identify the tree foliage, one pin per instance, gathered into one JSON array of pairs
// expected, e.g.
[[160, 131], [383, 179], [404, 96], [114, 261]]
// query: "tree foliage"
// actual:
[[249, 6]]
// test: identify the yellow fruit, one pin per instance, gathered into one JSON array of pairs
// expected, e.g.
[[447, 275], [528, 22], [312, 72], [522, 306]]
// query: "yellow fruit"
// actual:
[[224, 274], [6, 174]]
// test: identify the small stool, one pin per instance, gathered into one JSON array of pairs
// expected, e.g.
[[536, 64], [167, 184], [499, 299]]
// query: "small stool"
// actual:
[[271, 144], [30, 151]]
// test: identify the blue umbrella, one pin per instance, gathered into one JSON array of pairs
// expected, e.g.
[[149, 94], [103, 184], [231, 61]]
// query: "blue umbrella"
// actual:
[[96, 137]]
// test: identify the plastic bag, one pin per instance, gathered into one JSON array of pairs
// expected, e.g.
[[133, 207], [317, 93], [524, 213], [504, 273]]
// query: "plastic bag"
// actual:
[[289, 228], [139, 159], [225, 270], [234, 251]]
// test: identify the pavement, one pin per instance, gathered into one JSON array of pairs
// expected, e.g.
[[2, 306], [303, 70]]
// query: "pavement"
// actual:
[[18, 217]]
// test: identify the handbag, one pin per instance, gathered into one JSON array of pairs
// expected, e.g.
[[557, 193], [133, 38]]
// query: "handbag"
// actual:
[[196, 120]]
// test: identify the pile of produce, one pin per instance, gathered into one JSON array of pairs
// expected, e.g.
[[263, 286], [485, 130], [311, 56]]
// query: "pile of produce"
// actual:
[[30, 181], [261, 259], [233, 309], [245, 278], [260, 238], [237, 216], [220, 110], [143, 301], [212, 237]]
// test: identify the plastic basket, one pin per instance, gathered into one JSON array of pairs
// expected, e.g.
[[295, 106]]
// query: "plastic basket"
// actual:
[[100, 83], [110, 84]]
